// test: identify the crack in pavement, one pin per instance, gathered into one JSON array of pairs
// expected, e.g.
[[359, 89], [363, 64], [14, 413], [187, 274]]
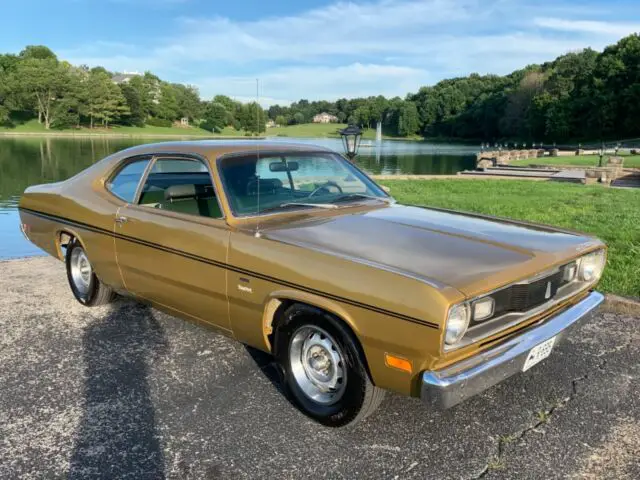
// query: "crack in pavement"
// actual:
[[496, 461]]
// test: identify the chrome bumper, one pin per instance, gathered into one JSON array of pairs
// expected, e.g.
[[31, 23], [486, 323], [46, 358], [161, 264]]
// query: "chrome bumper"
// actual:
[[451, 385]]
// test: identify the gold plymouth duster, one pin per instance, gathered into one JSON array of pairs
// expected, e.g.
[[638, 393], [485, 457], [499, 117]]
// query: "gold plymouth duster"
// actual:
[[293, 250]]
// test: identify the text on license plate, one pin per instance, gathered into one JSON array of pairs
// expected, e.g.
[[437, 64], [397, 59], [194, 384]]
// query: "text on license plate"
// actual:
[[538, 353]]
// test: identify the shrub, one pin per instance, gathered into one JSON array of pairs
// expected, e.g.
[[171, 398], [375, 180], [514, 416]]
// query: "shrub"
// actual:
[[159, 122]]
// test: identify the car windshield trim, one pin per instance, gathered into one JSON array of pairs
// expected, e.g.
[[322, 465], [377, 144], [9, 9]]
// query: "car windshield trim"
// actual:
[[275, 208]]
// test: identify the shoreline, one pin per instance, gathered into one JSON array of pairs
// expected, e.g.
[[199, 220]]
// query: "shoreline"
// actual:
[[126, 135], [177, 135]]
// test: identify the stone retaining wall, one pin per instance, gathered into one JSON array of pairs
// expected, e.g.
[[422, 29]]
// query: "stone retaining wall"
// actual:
[[495, 158]]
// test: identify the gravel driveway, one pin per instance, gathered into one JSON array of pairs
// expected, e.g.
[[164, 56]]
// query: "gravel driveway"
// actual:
[[128, 392]]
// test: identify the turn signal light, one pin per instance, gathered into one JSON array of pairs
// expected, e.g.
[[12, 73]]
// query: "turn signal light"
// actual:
[[397, 362]]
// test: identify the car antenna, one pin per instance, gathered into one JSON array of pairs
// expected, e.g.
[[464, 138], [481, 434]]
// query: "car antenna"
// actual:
[[257, 233]]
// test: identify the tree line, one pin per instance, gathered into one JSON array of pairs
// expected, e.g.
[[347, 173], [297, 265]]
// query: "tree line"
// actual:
[[586, 95], [36, 84], [580, 96]]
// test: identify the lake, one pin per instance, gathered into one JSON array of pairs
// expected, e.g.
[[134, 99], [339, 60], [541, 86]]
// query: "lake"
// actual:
[[30, 161]]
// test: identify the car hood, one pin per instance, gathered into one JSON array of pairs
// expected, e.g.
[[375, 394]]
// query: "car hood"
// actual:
[[471, 253]]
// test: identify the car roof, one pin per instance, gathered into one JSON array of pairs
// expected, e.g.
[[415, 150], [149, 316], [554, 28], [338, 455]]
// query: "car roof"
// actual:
[[213, 149]]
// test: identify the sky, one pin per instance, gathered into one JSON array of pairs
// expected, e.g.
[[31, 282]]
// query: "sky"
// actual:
[[313, 49]]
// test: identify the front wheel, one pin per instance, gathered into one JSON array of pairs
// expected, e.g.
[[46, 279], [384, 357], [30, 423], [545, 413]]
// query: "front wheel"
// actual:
[[85, 285], [324, 368]]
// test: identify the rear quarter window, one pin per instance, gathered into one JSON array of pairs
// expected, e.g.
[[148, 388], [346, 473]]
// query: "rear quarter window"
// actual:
[[124, 183]]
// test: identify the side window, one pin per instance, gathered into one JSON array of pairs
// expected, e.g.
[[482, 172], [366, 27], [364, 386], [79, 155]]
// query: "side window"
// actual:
[[181, 185], [125, 183]]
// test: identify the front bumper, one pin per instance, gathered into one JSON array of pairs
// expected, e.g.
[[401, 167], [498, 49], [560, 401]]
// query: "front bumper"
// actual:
[[451, 385]]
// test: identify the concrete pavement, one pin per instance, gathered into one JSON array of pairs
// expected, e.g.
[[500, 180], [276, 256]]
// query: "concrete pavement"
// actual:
[[125, 391]]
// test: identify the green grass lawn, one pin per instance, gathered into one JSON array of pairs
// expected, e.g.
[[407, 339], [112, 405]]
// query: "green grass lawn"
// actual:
[[32, 126], [611, 214], [307, 130], [325, 130], [630, 161]]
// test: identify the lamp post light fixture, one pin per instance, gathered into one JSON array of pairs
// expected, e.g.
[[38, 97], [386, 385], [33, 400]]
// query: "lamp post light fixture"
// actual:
[[351, 137]]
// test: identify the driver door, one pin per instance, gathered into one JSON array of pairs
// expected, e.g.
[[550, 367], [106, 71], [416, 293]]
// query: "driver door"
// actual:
[[171, 241]]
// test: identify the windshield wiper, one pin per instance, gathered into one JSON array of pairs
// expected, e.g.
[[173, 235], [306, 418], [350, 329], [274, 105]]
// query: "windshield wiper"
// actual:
[[292, 204], [353, 196]]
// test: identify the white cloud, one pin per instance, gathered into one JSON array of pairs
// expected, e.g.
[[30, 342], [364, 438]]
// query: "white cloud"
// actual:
[[615, 29], [286, 84], [388, 47]]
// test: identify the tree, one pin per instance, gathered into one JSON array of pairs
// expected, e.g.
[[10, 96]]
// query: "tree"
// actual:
[[132, 97], [167, 106], [298, 118], [39, 52], [188, 101], [280, 120], [408, 119], [7, 101], [227, 102], [43, 82], [114, 105], [96, 95], [515, 122], [254, 118], [362, 116], [148, 90], [215, 117]]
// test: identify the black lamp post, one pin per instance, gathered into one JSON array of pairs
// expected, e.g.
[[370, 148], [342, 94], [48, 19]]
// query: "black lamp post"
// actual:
[[351, 137]]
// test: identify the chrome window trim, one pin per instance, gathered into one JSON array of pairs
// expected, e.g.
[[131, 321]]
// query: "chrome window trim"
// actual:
[[192, 157], [121, 165]]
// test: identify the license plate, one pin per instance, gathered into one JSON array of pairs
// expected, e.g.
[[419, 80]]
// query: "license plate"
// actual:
[[538, 353]]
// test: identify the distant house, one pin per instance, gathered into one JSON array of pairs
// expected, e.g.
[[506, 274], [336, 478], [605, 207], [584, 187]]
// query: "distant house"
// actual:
[[325, 117], [124, 77], [271, 123]]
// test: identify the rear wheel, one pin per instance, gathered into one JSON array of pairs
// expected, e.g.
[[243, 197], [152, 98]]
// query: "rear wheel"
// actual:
[[85, 285], [324, 368]]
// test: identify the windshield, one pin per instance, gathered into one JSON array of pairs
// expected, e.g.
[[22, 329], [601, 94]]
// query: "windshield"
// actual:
[[268, 183]]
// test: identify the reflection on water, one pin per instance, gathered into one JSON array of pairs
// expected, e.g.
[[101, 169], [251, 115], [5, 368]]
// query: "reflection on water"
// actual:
[[30, 161], [417, 164]]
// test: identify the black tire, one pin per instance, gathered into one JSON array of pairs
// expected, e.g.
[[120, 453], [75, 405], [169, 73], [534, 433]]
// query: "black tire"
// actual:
[[97, 293], [360, 397]]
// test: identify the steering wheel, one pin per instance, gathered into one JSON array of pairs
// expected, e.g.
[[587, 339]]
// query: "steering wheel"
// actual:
[[325, 185]]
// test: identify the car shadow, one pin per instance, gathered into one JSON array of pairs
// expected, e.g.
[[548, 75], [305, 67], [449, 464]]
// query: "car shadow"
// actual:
[[117, 434], [268, 366]]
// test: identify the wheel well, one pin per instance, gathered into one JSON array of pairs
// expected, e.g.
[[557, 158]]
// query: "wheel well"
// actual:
[[64, 239], [278, 320]]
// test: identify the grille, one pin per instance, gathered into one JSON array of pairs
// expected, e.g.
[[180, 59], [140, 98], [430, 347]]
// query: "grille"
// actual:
[[526, 296]]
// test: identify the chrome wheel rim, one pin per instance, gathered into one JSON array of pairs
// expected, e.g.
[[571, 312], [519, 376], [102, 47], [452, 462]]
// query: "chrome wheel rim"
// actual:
[[317, 364], [80, 270]]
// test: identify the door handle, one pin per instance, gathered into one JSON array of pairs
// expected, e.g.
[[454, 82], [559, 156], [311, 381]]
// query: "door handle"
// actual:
[[120, 219]]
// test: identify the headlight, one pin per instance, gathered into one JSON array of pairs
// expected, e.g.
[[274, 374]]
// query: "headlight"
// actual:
[[591, 266], [457, 323]]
